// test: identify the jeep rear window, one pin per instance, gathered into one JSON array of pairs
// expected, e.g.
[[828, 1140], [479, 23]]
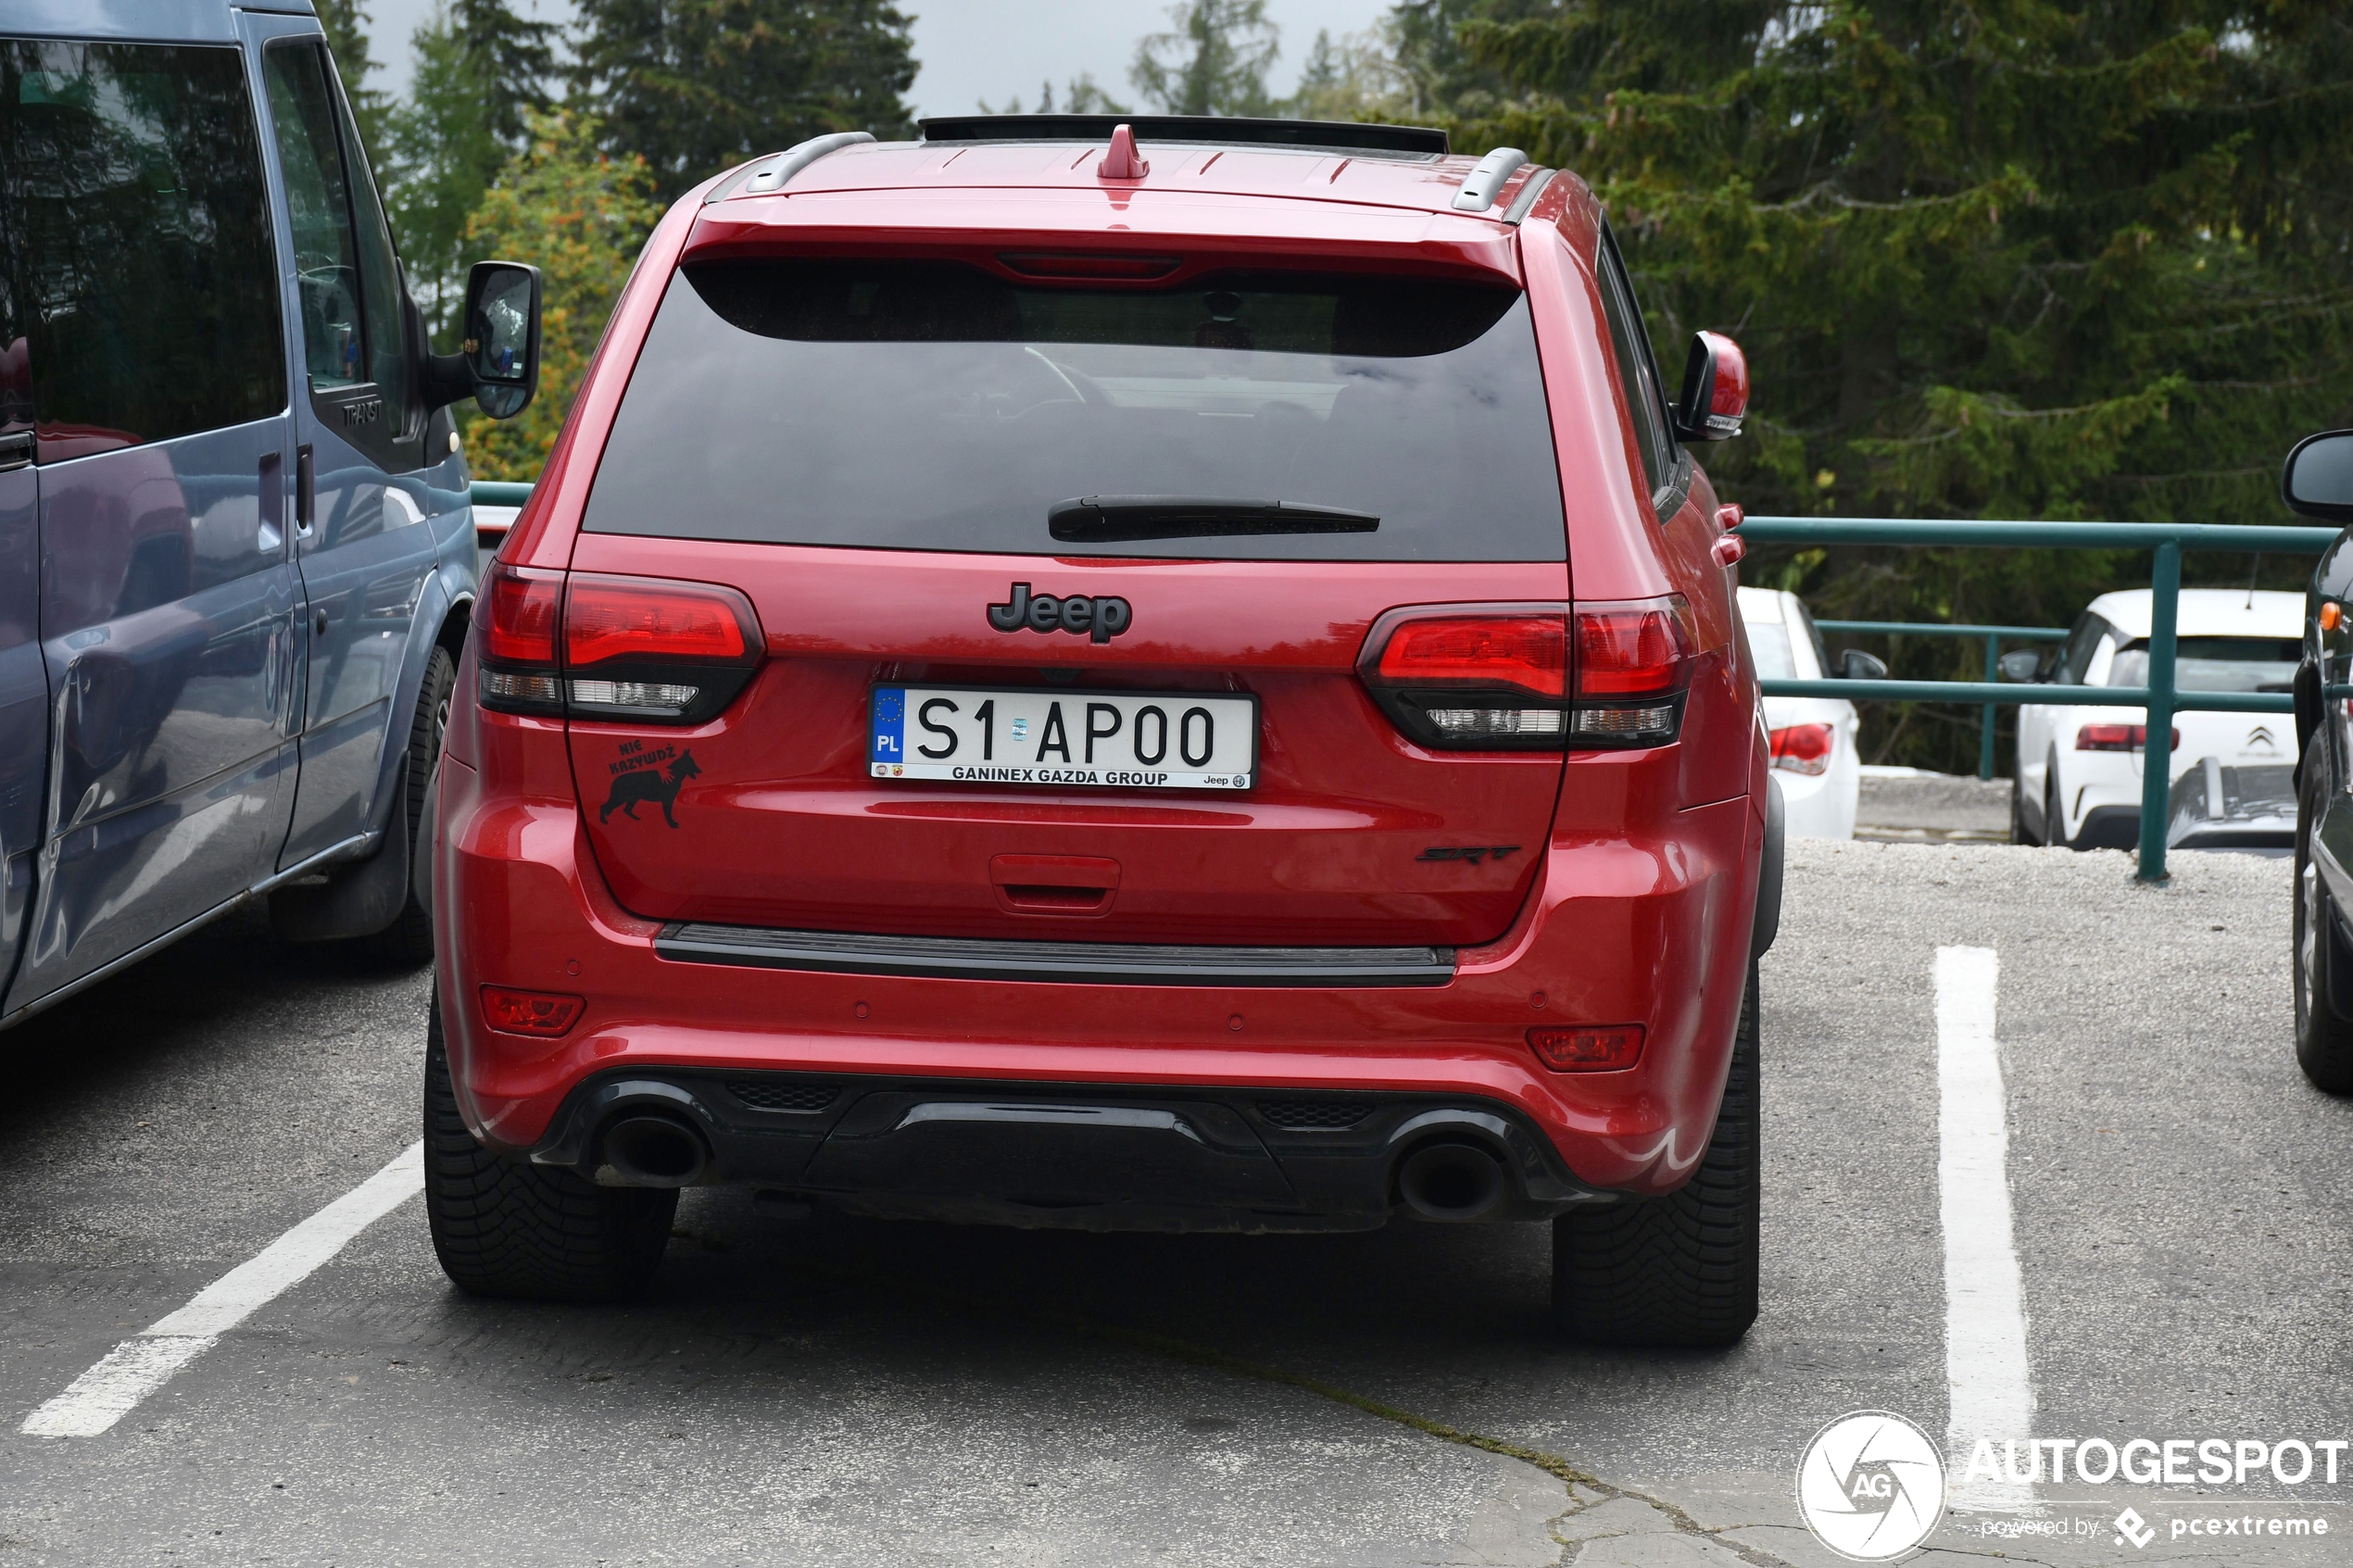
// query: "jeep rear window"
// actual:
[[938, 407]]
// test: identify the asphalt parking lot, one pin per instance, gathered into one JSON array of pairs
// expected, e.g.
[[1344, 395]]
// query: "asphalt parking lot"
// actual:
[[822, 1391]]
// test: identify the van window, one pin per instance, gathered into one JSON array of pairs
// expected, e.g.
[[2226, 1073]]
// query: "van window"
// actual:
[[942, 406], [354, 325], [319, 199], [137, 276]]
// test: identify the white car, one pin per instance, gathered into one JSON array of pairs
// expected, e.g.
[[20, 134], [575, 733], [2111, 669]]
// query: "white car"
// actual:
[[1813, 737], [2078, 779]]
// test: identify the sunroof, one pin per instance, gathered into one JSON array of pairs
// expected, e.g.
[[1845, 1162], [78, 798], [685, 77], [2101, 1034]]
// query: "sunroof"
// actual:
[[1408, 140]]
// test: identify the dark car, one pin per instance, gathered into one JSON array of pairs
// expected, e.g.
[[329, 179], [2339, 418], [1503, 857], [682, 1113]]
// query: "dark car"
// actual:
[[2317, 481], [1174, 677], [236, 557]]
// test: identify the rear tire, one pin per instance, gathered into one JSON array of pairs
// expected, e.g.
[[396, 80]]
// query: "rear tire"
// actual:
[[503, 1226], [409, 939], [2019, 831], [2323, 1041], [1679, 1269]]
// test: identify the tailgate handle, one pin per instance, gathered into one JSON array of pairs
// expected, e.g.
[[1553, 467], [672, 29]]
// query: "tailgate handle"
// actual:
[[1054, 884]]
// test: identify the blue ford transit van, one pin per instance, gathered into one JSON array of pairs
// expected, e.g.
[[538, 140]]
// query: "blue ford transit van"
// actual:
[[236, 554]]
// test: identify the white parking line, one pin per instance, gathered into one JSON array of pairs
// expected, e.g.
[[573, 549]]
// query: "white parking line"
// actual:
[[1985, 1366], [136, 1368]]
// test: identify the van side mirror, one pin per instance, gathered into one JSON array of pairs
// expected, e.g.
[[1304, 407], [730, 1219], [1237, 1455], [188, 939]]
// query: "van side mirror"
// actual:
[[2317, 480], [497, 365], [1714, 390], [1854, 664], [501, 348], [2024, 665]]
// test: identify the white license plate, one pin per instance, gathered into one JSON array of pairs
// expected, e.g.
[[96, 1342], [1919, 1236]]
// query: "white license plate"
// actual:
[[1045, 735]]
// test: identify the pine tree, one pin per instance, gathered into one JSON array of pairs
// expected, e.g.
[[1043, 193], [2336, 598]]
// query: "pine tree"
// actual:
[[1214, 61], [512, 58], [2013, 259], [346, 25], [693, 87], [482, 69]]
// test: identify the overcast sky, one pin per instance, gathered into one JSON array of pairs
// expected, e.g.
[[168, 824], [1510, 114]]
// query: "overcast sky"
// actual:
[[992, 49]]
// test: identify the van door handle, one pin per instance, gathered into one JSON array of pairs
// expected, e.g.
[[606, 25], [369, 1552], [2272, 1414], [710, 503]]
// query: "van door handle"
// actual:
[[306, 491], [16, 449]]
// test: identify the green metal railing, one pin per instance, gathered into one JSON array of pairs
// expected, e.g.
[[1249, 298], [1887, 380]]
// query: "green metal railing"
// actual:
[[1995, 637], [500, 492], [2161, 698]]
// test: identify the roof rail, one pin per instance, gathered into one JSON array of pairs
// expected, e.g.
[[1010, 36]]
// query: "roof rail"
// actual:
[[764, 175], [1482, 185], [1410, 140]]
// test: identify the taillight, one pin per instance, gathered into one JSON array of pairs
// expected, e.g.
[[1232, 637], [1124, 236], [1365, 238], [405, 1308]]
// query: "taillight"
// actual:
[[2117, 737], [1529, 652], [516, 624], [1633, 665], [647, 648], [1802, 749], [529, 1012], [1532, 677], [1472, 677], [1582, 1048], [644, 649]]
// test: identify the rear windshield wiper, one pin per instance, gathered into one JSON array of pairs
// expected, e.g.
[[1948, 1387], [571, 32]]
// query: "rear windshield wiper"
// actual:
[[1105, 519]]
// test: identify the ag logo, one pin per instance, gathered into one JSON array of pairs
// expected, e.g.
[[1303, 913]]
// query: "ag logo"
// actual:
[[1871, 1485]]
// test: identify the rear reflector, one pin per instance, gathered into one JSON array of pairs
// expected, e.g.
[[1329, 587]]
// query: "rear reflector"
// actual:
[[1802, 749], [1526, 652], [529, 1012], [1585, 1048], [2117, 737]]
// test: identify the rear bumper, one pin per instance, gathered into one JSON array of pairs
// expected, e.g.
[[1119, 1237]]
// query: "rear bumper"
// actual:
[[1084, 1157], [1651, 928]]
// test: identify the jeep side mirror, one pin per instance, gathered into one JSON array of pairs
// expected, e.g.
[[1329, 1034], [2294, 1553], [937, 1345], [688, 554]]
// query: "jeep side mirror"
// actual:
[[2317, 480], [1714, 390], [502, 336], [2024, 665], [1854, 664]]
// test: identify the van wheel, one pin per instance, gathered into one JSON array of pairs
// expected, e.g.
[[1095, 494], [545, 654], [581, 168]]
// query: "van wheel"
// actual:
[[409, 939], [2323, 1041], [503, 1226], [1679, 1270]]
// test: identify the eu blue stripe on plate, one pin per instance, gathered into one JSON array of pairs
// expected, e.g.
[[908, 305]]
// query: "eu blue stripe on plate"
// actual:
[[889, 725]]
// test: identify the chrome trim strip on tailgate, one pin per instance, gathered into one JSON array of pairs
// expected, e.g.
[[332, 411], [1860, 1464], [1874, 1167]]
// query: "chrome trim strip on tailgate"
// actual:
[[1077, 963]]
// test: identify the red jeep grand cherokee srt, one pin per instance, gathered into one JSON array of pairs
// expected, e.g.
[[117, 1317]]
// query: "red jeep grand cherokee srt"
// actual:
[[1178, 681]]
